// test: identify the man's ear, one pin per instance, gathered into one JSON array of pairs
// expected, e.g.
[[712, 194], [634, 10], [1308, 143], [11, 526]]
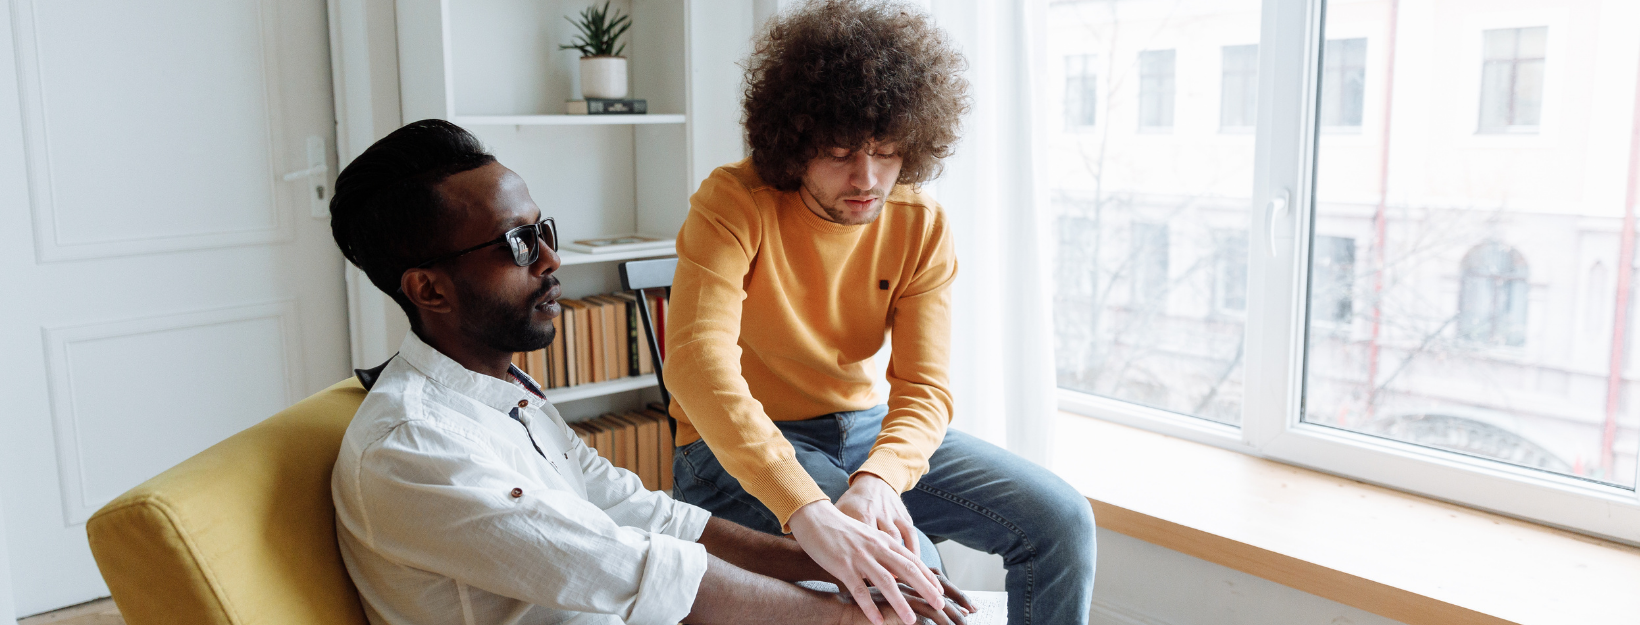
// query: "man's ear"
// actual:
[[427, 289]]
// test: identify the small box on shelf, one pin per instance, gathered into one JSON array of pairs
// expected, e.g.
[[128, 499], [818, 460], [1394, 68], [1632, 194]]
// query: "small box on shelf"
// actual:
[[606, 106]]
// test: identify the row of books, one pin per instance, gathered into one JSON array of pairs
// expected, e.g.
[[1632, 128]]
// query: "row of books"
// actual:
[[599, 338], [639, 441]]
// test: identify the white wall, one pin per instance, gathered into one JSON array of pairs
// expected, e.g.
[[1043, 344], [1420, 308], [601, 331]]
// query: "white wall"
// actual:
[[1142, 584]]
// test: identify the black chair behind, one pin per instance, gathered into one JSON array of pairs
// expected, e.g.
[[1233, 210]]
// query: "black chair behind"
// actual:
[[641, 276]]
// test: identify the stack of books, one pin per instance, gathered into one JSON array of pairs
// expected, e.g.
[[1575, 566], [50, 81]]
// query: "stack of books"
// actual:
[[639, 441], [599, 339]]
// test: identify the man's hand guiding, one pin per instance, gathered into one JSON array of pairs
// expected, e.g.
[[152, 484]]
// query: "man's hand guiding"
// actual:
[[871, 501], [860, 557]]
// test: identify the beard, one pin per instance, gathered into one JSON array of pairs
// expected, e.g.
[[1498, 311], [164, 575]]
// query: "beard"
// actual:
[[838, 212], [506, 326]]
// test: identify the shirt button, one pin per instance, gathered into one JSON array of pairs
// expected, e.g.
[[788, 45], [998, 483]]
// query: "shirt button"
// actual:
[[523, 403], [517, 492]]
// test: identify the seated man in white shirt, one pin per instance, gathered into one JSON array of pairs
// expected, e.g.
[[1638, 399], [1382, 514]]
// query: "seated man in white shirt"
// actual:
[[461, 496]]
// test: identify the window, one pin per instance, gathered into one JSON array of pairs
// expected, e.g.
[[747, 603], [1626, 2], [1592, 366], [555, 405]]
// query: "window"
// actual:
[[1430, 313], [1492, 296], [1230, 275], [1149, 309], [1343, 82], [1238, 94], [1156, 89], [1512, 79], [1081, 91], [1332, 279], [1150, 278]]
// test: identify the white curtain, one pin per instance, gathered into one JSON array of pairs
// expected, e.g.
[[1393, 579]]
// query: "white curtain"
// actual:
[[8, 609], [1002, 356]]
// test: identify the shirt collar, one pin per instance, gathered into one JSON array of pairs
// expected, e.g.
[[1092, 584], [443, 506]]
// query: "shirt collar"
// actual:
[[496, 393]]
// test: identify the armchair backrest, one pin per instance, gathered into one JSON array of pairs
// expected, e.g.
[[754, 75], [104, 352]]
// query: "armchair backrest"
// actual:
[[244, 533]]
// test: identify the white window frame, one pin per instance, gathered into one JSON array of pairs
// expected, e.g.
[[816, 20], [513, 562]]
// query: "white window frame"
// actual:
[[1278, 248]]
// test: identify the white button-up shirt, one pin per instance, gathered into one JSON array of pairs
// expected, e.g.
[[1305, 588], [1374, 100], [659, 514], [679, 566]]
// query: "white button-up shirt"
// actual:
[[446, 511]]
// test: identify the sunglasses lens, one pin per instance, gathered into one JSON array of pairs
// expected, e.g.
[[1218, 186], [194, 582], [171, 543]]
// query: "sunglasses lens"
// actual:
[[549, 233], [522, 246]]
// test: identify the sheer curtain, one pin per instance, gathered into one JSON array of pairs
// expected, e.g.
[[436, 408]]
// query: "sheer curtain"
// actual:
[[1002, 334]]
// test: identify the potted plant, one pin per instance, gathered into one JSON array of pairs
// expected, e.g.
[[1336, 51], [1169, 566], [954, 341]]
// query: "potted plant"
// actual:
[[603, 69]]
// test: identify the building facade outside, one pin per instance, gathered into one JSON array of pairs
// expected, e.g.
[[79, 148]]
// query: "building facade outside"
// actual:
[[1470, 201]]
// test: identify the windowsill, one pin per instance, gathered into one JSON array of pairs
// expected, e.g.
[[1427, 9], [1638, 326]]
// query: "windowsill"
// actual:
[[1405, 557]]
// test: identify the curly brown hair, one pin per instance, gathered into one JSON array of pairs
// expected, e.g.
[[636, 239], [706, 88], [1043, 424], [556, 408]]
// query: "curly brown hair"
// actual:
[[841, 73]]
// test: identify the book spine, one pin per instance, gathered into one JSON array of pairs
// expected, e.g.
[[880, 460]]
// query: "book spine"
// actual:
[[559, 379], [634, 341], [572, 336], [584, 345], [612, 341]]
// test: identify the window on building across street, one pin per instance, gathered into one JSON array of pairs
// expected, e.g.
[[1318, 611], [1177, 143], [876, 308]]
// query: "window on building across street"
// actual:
[[1081, 91], [1238, 93], [1343, 82], [1492, 296], [1512, 78], [1332, 279], [1437, 312], [1150, 266], [1156, 89]]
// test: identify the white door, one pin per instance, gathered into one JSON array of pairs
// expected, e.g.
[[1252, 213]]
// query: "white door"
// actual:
[[162, 284]]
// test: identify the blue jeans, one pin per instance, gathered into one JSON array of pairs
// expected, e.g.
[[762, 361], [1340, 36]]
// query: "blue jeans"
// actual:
[[975, 493]]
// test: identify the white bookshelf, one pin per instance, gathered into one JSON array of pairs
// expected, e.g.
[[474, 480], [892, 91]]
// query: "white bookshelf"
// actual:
[[494, 67]]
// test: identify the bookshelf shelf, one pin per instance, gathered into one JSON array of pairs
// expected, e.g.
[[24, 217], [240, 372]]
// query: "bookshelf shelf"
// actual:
[[567, 120], [599, 389], [567, 258]]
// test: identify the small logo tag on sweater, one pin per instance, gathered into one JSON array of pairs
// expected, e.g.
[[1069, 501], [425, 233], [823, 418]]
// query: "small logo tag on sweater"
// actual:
[[882, 285]]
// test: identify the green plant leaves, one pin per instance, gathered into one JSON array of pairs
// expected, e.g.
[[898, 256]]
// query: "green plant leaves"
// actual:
[[600, 31]]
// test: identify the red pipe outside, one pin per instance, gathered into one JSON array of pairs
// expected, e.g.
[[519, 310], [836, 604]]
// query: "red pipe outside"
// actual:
[[1379, 217], [1620, 322]]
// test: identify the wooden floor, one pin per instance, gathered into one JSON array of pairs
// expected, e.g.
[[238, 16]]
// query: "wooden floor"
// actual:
[[99, 612]]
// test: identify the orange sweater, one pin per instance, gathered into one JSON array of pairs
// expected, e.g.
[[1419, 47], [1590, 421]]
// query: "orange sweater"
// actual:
[[775, 315]]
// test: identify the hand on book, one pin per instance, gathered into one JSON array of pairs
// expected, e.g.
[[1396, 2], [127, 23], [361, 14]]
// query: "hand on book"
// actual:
[[861, 557]]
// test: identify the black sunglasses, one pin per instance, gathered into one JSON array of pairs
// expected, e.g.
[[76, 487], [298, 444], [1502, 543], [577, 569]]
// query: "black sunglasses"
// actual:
[[523, 242]]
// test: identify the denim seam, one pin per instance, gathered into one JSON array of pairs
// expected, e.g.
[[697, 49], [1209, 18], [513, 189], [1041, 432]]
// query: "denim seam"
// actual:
[[1030, 563], [842, 441]]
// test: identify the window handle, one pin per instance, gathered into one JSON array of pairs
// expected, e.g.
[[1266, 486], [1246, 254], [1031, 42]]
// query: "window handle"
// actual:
[[1276, 211]]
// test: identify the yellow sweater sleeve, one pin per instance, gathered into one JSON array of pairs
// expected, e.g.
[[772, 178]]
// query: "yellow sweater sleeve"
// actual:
[[919, 396], [716, 245]]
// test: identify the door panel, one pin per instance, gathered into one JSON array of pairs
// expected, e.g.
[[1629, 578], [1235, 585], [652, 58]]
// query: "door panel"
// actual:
[[165, 286], [184, 91]]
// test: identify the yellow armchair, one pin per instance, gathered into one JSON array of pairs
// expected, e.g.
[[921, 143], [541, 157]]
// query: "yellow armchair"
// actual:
[[243, 533]]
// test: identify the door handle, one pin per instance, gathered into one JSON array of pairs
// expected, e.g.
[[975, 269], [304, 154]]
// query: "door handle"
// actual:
[[318, 193]]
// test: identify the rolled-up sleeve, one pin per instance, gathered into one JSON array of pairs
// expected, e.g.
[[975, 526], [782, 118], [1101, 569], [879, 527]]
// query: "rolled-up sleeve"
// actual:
[[436, 500]]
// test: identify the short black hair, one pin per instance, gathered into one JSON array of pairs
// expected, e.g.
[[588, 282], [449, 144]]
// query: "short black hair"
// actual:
[[387, 214]]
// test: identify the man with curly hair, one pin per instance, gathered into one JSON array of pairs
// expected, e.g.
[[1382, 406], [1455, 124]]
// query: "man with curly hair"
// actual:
[[794, 267]]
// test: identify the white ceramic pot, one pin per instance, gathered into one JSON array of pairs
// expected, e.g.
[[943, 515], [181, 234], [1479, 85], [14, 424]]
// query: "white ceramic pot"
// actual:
[[603, 77]]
